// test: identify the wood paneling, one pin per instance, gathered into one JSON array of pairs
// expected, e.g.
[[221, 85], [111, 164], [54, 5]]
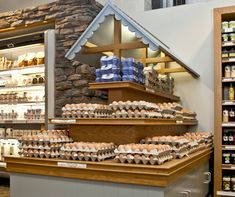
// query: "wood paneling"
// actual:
[[109, 171]]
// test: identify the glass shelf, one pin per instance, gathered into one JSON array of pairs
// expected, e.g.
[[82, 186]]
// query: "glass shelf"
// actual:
[[23, 88], [25, 70]]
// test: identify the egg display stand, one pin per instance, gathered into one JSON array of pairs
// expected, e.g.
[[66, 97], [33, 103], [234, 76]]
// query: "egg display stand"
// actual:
[[124, 91]]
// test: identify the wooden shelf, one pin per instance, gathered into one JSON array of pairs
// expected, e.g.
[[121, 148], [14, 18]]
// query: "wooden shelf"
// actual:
[[224, 193], [228, 102], [124, 91], [228, 166], [22, 121], [228, 124], [23, 103], [228, 44], [226, 79], [231, 60], [228, 147], [109, 171], [121, 121], [23, 88]]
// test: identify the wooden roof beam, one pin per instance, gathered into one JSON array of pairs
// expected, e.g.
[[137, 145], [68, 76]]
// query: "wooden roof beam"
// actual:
[[157, 60], [111, 47], [172, 70]]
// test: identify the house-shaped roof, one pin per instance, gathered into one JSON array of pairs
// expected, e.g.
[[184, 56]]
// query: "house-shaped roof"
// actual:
[[98, 33]]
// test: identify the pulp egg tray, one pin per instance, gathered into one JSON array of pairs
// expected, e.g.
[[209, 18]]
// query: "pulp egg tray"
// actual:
[[143, 159], [87, 156], [41, 147], [39, 153]]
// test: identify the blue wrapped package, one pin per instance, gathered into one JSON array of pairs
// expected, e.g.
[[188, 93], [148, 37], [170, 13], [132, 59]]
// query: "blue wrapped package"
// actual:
[[98, 73], [110, 65], [129, 71], [110, 77], [98, 79], [132, 78]]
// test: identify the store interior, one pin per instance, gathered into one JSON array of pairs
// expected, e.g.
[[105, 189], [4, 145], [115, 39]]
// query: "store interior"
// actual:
[[109, 98]]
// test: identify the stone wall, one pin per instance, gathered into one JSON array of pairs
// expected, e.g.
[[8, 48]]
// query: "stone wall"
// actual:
[[71, 18]]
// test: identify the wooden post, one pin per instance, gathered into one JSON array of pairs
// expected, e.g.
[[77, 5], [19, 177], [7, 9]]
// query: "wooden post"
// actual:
[[144, 56], [117, 37]]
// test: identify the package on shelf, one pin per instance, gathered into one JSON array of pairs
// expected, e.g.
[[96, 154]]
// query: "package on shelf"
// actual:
[[84, 110], [143, 154], [34, 114], [8, 147], [158, 82], [88, 151], [110, 69], [132, 71], [46, 144], [9, 115]]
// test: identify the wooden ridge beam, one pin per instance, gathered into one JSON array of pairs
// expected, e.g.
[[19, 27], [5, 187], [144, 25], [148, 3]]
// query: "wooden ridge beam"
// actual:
[[112, 47], [172, 70], [157, 60], [91, 45]]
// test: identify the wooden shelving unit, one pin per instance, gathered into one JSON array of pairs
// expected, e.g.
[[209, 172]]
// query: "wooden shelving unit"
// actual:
[[220, 15], [124, 91], [109, 171]]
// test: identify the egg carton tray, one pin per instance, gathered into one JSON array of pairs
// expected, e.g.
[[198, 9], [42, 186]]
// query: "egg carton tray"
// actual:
[[147, 153], [85, 156], [44, 143], [171, 143], [132, 107], [86, 115], [142, 159], [102, 151], [39, 155], [39, 148], [180, 154]]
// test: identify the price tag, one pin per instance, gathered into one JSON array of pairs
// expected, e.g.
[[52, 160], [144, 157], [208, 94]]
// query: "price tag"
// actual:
[[179, 121], [230, 147], [228, 43], [71, 165], [228, 30], [232, 167], [63, 121], [231, 59]]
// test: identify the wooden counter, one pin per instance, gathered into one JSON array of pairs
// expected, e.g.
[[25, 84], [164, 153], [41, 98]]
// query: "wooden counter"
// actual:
[[109, 171], [124, 91]]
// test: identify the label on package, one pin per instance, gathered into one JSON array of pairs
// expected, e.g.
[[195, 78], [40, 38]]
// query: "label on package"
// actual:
[[71, 165]]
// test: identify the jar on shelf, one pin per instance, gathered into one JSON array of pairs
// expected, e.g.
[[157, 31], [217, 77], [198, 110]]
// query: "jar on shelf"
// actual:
[[231, 24], [233, 183], [226, 183], [226, 158], [232, 37], [225, 25], [225, 115], [227, 71], [231, 92], [225, 137], [225, 37]]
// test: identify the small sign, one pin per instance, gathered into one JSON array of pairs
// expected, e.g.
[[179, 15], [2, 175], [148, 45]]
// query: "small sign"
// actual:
[[228, 30], [179, 122], [71, 165], [230, 147], [232, 167], [228, 43], [231, 59], [63, 121]]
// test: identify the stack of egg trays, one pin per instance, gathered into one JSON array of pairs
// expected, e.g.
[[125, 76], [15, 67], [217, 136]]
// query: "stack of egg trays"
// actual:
[[143, 157], [110, 69], [134, 109], [42, 149], [91, 113], [86, 154], [179, 148]]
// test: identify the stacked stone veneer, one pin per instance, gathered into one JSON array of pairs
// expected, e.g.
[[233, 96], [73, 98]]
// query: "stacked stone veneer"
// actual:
[[71, 18]]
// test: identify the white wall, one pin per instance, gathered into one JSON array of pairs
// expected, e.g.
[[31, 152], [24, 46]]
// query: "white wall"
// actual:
[[188, 31]]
